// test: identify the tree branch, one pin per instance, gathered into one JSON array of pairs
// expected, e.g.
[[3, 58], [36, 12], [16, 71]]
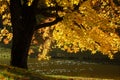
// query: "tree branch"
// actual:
[[49, 23], [34, 3], [43, 10], [47, 14], [112, 4], [76, 7]]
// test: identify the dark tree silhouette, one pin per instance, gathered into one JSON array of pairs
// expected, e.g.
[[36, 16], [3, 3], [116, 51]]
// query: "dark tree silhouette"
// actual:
[[24, 24], [1, 25]]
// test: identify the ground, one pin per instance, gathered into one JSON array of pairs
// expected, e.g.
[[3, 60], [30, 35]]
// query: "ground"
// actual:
[[66, 69]]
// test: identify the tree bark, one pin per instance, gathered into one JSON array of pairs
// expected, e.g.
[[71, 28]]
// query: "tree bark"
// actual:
[[1, 25], [23, 21], [23, 24]]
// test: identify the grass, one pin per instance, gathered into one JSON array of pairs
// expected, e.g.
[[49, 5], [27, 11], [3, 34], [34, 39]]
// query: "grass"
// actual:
[[58, 70], [12, 73], [52, 77], [74, 69]]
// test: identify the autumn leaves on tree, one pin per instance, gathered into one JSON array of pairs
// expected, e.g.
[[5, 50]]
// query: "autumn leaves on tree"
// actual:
[[72, 25]]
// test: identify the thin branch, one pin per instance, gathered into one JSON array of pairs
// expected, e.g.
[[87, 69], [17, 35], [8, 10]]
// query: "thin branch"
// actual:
[[112, 4], [53, 8], [42, 10], [79, 25], [34, 3], [49, 23], [76, 7], [47, 14]]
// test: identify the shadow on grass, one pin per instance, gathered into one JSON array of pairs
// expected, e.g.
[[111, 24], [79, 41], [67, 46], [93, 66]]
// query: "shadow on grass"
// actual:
[[12, 73]]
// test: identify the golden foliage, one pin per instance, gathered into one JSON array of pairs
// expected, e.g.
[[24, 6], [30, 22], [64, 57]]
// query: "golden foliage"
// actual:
[[5, 36], [29, 2], [4, 12], [31, 51], [89, 29], [6, 41], [3, 8], [92, 27]]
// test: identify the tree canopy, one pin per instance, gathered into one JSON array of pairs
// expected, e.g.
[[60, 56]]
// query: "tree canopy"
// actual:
[[72, 25]]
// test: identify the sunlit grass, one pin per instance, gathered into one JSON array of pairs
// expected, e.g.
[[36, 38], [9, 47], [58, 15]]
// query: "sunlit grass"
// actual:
[[75, 69], [74, 78], [5, 75], [59, 70], [4, 53], [12, 73]]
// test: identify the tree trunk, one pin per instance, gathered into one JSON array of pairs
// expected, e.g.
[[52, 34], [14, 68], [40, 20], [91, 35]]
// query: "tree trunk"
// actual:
[[1, 25], [23, 21]]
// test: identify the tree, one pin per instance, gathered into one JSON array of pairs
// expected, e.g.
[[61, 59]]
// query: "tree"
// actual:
[[23, 22], [76, 25]]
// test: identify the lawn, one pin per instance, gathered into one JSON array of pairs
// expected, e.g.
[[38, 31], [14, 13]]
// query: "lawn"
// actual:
[[73, 68], [59, 69], [66, 70]]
